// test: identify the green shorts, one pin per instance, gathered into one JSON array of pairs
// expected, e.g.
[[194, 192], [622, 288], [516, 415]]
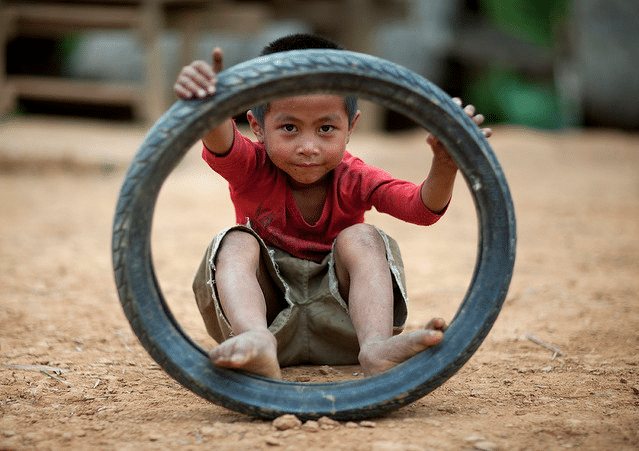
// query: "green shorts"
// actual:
[[316, 327]]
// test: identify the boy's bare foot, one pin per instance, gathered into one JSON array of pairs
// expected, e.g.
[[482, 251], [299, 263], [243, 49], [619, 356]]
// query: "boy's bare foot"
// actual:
[[254, 351], [384, 354]]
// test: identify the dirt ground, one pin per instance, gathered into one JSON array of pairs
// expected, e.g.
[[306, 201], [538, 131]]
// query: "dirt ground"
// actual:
[[73, 375]]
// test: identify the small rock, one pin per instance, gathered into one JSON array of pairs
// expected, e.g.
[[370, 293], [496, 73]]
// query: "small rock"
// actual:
[[155, 437], [286, 422], [303, 378], [475, 438], [311, 426], [273, 441], [352, 425], [367, 424], [327, 423], [325, 369], [635, 388], [485, 446]]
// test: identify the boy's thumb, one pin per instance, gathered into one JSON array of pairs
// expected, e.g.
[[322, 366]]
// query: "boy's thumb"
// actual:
[[217, 58]]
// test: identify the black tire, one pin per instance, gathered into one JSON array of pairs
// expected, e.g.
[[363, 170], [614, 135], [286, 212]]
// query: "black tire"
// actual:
[[280, 75]]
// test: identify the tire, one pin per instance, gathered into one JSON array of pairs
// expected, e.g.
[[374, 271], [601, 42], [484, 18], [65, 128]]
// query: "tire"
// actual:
[[281, 75]]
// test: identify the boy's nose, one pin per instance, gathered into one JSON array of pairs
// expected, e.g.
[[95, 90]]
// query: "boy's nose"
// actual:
[[308, 147]]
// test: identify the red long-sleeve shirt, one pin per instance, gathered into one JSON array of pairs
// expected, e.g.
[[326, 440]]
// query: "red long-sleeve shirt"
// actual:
[[262, 196]]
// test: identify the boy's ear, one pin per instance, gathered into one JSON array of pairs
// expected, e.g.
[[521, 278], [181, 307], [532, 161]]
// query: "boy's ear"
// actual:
[[351, 126], [256, 127]]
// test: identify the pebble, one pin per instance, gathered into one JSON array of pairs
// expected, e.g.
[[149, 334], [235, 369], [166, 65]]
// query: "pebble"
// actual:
[[327, 423], [286, 422], [273, 441], [311, 426], [475, 438], [485, 446]]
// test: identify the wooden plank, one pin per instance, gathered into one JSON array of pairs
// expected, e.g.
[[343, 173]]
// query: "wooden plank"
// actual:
[[65, 18], [64, 89]]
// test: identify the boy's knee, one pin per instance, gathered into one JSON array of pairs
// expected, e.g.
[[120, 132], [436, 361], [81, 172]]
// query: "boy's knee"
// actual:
[[238, 246], [362, 236]]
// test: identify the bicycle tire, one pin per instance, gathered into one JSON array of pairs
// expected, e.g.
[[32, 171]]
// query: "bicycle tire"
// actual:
[[282, 75]]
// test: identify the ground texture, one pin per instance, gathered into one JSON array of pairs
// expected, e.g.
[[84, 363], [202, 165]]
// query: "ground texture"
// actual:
[[73, 375]]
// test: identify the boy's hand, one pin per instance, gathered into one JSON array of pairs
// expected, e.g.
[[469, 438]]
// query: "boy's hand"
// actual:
[[198, 79], [441, 154]]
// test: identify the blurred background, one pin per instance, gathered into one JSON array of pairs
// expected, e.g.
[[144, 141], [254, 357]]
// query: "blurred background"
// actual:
[[540, 63]]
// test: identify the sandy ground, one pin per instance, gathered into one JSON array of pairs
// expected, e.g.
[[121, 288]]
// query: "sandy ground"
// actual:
[[73, 375]]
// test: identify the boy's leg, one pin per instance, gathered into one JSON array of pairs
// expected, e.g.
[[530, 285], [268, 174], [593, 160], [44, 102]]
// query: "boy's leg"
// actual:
[[249, 300], [366, 284]]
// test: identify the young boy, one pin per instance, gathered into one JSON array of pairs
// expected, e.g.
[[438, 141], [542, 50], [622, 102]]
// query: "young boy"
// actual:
[[302, 278]]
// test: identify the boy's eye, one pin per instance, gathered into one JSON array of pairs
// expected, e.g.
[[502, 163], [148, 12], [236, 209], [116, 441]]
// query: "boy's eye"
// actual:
[[289, 127], [326, 128]]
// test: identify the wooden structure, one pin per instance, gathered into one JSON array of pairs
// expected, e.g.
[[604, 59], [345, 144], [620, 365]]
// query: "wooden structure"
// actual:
[[347, 21], [54, 18]]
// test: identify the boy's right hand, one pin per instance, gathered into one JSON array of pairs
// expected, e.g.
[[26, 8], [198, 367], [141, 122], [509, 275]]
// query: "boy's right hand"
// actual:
[[198, 79]]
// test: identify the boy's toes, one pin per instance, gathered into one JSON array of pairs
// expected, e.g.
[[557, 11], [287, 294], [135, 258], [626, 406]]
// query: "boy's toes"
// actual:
[[431, 338], [437, 324]]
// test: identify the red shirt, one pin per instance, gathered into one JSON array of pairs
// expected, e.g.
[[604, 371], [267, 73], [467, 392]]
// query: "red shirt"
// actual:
[[262, 196]]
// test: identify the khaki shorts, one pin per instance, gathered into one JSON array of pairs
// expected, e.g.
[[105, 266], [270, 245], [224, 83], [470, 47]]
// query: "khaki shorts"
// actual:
[[316, 327]]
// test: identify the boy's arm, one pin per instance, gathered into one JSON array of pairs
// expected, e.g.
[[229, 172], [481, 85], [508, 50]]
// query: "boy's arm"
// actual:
[[197, 80], [438, 186]]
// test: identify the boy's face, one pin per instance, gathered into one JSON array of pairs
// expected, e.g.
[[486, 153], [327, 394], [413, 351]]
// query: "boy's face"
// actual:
[[305, 136]]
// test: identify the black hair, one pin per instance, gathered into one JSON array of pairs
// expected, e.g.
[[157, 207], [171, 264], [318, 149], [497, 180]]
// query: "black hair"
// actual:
[[300, 41], [303, 41]]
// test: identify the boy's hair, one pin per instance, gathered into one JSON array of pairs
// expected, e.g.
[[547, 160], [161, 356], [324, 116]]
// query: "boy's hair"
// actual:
[[303, 41]]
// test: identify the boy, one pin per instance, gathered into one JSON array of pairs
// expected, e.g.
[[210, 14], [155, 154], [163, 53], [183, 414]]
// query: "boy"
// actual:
[[302, 278]]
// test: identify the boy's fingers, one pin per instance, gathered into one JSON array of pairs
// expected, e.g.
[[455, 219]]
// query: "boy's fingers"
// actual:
[[200, 71], [470, 110], [192, 83], [182, 92], [478, 119]]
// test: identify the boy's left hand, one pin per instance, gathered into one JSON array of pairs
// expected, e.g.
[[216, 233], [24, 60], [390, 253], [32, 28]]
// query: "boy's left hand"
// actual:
[[440, 152]]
